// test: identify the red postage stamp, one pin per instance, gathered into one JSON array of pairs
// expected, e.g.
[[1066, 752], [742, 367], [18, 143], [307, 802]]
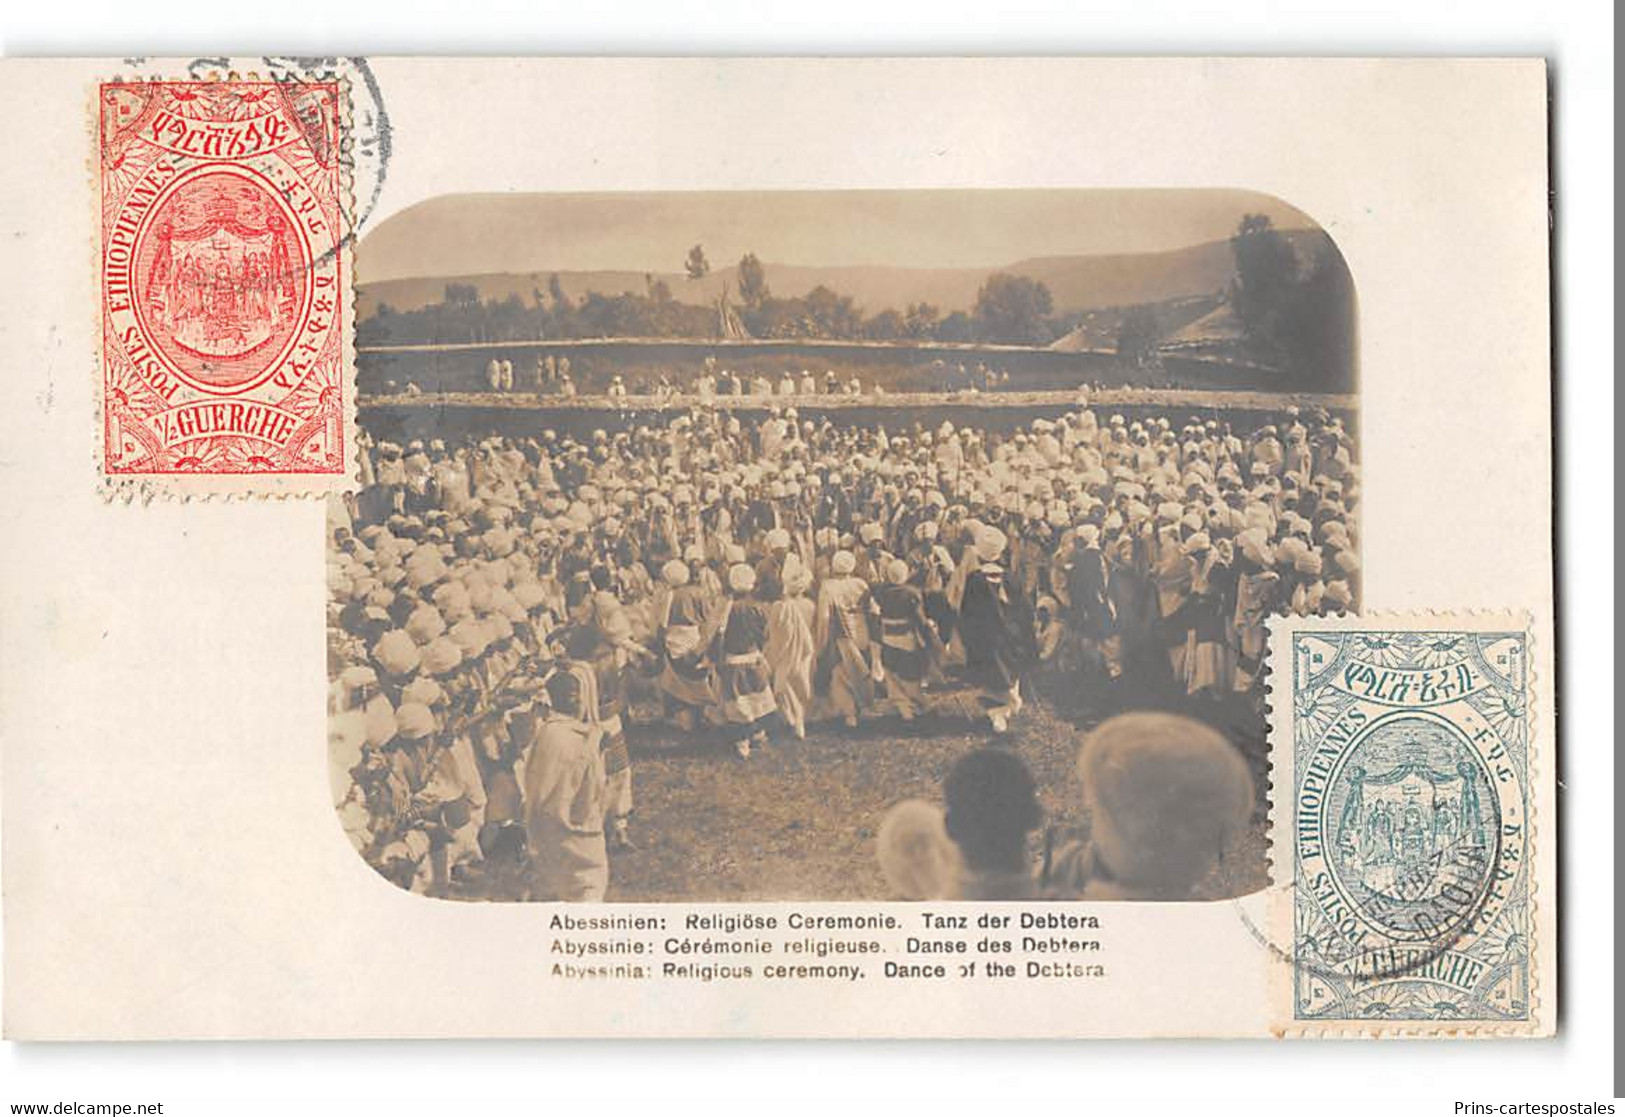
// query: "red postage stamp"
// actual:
[[225, 287]]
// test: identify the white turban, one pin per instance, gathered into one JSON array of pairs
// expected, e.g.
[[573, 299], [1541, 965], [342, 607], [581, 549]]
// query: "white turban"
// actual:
[[990, 542], [675, 572], [396, 653], [741, 578], [1255, 545], [795, 576], [413, 721]]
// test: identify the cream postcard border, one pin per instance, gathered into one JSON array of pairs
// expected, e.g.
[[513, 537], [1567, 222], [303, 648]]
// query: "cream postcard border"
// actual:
[[172, 866]]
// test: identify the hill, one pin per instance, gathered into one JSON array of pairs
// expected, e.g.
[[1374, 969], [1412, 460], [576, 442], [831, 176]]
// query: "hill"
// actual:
[[1077, 283]]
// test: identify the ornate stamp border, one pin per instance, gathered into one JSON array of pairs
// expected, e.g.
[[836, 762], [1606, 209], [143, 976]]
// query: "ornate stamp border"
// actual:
[[225, 283], [1403, 825]]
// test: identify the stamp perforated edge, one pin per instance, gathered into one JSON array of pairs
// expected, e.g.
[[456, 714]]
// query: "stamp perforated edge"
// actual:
[[144, 489], [1279, 830]]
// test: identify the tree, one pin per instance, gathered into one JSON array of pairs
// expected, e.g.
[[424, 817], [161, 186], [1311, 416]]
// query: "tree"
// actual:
[[1014, 309], [1318, 333], [832, 314], [957, 327], [1266, 279], [537, 313], [555, 292], [379, 328], [1297, 314], [920, 320], [1137, 334], [752, 280], [561, 312], [697, 266], [505, 319], [888, 325], [622, 315], [463, 295]]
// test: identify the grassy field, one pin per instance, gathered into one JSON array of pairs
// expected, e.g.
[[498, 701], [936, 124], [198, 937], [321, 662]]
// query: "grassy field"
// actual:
[[797, 820]]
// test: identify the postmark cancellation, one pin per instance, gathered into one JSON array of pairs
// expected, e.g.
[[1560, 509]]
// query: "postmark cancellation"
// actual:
[[1404, 821]]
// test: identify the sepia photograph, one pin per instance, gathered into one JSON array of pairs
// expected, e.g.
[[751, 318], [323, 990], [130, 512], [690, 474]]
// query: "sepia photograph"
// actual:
[[830, 546]]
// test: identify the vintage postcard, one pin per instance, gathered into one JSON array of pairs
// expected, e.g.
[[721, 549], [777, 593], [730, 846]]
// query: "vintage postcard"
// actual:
[[987, 577]]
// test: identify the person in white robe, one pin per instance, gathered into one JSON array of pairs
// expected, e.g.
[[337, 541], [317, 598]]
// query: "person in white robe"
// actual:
[[564, 789], [791, 648], [843, 639]]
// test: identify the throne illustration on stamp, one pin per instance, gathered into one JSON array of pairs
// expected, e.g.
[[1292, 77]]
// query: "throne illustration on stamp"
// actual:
[[225, 285]]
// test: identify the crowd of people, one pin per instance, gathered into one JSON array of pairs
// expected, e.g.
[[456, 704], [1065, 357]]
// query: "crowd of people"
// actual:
[[552, 377], [504, 611]]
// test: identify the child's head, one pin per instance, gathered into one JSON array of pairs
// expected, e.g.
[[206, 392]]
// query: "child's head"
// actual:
[[992, 805], [917, 858], [1166, 795]]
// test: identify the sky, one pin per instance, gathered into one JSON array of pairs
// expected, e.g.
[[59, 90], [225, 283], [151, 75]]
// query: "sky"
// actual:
[[468, 234]]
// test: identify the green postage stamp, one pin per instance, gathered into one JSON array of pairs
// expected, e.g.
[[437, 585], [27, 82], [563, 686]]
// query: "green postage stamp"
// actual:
[[1404, 814]]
